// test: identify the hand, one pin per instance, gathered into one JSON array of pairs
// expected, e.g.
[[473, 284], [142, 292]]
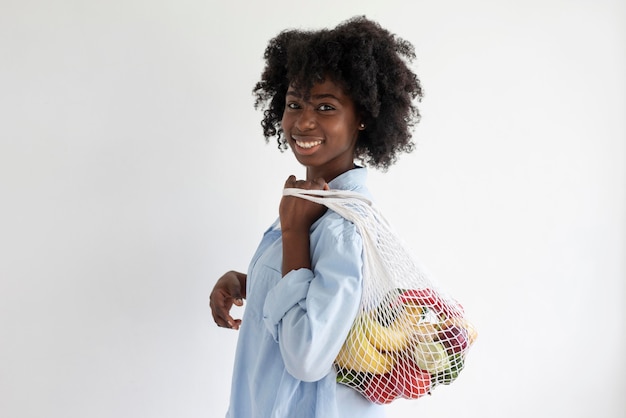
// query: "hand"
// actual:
[[229, 290], [297, 213]]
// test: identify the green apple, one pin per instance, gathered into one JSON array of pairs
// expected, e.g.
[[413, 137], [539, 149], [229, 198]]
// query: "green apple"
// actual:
[[431, 357]]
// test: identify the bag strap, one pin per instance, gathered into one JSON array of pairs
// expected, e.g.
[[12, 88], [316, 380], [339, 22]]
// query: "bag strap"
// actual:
[[353, 206], [319, 196]]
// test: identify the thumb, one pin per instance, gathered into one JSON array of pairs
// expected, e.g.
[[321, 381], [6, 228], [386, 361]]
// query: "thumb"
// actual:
[[291, 180], [235, 293], [322, 183]]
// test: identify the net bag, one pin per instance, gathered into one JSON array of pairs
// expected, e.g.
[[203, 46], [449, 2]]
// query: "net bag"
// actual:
[[409, 336]]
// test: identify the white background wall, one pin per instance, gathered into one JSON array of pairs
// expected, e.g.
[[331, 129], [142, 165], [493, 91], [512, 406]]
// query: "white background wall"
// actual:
[[133, 173]]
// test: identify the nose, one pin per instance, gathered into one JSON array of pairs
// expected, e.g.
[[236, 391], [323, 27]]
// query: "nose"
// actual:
[[306, 119]]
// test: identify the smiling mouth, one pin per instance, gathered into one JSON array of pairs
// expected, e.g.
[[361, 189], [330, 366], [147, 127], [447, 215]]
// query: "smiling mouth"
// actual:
[[307, 144]]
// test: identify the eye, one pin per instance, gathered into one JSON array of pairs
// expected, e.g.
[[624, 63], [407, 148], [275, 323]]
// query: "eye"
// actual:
[[292, 105], [325, 107]]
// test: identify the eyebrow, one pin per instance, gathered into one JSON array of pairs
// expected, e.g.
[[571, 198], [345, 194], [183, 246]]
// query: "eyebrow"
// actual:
[[316, 96]]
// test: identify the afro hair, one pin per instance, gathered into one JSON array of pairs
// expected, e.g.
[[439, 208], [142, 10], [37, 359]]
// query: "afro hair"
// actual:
[[370, 63]]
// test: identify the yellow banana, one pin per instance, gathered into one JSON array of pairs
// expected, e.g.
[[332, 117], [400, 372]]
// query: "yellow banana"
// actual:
[[359, 355], [416, 311], [421, 331], [425, 332], [392, 338]]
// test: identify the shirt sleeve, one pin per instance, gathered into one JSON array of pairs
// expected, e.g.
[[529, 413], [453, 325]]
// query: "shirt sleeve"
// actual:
[[310, 312]]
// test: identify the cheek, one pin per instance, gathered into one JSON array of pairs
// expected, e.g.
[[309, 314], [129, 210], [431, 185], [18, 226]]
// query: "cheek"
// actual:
[[286, 122], [347, 129]]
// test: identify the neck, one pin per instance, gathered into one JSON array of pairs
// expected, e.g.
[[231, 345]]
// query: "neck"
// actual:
[[327, 174]]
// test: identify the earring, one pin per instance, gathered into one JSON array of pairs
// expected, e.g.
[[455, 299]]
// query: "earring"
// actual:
[[362, 126]]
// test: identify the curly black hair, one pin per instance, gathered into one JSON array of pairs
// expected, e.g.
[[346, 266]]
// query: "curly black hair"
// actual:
[[372, 66]]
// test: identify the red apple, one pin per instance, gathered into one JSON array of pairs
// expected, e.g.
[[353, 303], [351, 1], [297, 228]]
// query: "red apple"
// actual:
[[454, 338], [411, 381], [381, 389]]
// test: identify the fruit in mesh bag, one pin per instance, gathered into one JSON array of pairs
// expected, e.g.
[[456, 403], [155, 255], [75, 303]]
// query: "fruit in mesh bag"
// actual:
[[411, 381], [454, 338], [381, 389], [419, 330], [429, 298], [405, 380], [359, 355], [464, 324], [351, 378], [431, 357], [451, 373], [388, 339]]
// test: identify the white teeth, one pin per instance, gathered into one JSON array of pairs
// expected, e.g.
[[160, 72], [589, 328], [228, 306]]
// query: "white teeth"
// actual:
[[308, 144]]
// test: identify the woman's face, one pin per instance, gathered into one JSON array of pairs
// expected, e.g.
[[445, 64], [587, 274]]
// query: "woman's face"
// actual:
[[321, 127]]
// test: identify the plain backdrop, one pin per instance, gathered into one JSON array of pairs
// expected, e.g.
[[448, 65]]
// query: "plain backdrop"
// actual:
[[133, 173]]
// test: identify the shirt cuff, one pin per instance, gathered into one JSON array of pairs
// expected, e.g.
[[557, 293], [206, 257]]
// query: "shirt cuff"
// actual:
[[290, 291]]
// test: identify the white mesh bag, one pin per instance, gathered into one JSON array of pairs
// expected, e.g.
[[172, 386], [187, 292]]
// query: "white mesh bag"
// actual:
[[408, 336]]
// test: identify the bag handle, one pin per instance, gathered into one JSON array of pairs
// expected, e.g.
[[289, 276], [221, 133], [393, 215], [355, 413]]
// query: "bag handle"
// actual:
[[318, 196], [343, 202]]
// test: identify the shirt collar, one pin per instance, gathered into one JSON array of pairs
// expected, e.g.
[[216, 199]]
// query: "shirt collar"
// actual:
[[350, 180]]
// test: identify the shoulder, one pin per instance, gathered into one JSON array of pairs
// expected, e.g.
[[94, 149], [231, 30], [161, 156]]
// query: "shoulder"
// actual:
[[353, 180], [333, 230]]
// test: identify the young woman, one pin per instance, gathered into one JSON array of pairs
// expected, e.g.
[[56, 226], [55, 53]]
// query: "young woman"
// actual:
[[334, 97]]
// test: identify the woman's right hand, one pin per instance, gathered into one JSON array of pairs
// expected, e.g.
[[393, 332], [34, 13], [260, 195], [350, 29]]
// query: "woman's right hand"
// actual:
[[297, 213], [230, 289]]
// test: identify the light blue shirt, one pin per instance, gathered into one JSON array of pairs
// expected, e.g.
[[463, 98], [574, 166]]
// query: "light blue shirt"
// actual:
[[293, 327]]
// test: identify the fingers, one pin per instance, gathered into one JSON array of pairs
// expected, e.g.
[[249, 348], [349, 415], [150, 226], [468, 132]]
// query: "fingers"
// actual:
[[220, 303], [322, 184], [291, 181], [319, 182], [219, 309], [228, 291], [315, 184], [224, 320]]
